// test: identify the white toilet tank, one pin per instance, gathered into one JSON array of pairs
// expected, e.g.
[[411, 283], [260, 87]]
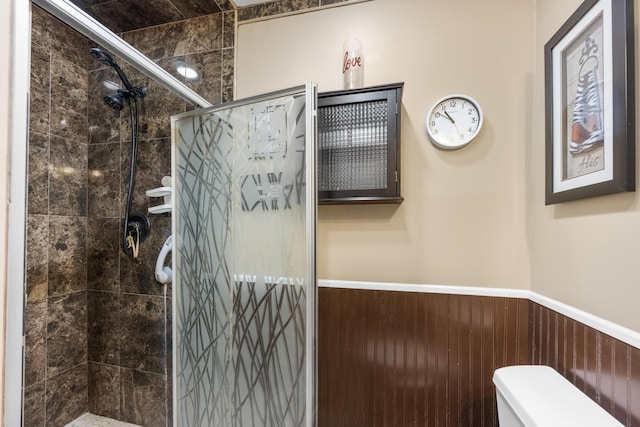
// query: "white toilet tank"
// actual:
[[535, 395]]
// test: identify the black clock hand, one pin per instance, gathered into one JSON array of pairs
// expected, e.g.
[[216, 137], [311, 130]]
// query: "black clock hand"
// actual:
[[449, 117]]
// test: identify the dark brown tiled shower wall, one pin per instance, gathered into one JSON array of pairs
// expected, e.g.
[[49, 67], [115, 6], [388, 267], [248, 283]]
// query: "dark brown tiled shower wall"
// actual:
[[388, 359], [278, 7], [97, 325]]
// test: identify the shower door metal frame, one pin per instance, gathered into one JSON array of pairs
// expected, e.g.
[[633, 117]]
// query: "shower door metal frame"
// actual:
[[17, 210], [311, 137], [69, 13]]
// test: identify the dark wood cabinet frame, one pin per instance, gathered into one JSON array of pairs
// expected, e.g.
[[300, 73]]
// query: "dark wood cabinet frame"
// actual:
[[392, 93]]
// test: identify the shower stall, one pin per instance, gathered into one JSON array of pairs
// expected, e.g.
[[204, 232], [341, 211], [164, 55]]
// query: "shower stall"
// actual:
[[97, 326]]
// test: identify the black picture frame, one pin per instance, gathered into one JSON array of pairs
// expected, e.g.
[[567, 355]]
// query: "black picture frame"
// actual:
[[590, 103]]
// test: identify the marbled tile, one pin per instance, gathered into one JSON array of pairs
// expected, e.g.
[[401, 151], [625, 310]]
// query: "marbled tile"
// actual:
[[163, 41], [34, 405], [68, 177], [104, 121], [209, 81], [199, 34], [38, 175], [204, 33], [228, 29], [329, 2], [172, 64], [225, 5], [69, 42], [104, 390], [154, 162], [228, 71], [143, 397], [195, 8], [40, 27], [103, 254], [126, 15], [154, 114], [68, 83], [66, 332], [137, 277], [274, 8], [67, 254], [68, 123], [35, 345], [40, 93], [103, 334], [67, 396], [37, 257], [104, 180], [142, 335]]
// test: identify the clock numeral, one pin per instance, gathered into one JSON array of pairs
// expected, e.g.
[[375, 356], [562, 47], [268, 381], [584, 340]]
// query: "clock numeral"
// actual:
[[432, 123], [470, 111], [462, 137], [473, 120], [470, 130], [452, 103]]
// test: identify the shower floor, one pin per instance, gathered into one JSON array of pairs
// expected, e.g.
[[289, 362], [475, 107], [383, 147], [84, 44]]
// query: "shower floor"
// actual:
[[90, 420]]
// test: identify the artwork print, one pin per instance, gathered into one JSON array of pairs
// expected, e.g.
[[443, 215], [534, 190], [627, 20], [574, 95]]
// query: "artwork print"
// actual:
[[584, 135]]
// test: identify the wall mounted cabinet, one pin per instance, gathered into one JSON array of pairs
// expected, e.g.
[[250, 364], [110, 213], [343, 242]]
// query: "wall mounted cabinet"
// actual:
[[359, 145]]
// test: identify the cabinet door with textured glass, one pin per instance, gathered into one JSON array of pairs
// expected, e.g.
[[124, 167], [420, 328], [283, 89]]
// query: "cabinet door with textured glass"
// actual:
[[359, 145]]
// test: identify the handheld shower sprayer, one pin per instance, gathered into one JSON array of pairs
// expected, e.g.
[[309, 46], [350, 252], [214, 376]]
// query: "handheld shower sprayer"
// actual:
[[115, 100], [136, 226]]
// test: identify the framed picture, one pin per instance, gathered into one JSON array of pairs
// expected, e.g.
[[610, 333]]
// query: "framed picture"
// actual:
[[589, 97]]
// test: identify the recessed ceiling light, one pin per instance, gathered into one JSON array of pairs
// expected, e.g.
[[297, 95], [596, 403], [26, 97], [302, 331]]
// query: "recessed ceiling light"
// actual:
[[187, 72]]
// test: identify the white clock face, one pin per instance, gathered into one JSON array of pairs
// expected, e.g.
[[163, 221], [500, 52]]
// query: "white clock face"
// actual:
[[453, 121]]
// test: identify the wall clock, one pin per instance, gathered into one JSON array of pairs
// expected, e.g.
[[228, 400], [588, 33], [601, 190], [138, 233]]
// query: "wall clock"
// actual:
[[453, 121]]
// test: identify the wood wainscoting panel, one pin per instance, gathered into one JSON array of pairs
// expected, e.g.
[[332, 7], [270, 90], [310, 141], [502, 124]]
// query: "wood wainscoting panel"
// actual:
[[605, 368], [389, 359]]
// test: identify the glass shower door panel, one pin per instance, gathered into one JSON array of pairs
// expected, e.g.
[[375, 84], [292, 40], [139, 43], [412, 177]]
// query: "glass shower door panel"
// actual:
[[244, 288]]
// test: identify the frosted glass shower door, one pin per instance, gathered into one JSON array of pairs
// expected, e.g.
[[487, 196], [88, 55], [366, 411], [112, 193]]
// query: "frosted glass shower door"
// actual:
[[244, 288]]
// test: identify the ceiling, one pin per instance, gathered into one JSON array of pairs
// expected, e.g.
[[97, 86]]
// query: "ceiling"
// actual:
[[127, 15]]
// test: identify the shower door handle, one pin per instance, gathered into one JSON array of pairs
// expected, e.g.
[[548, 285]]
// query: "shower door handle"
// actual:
[[163, 273]]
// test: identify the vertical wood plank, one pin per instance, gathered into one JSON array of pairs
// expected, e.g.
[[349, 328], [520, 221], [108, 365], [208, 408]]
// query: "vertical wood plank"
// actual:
[[465, 386], [442, 360], [562, 346], [421, 361], [621, 381], [634, 386], [453, 360], [432, 358], [488, 360], [475, 361], [524, 355], [591, 351], [606, 373]]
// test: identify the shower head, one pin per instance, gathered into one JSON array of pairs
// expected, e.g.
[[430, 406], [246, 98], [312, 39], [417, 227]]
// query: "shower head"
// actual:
[[106, 59], [114, 100], [103, 57]]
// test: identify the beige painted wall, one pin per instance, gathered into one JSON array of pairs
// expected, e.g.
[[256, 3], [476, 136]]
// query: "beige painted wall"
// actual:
[[584, 253], [463, 218]]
